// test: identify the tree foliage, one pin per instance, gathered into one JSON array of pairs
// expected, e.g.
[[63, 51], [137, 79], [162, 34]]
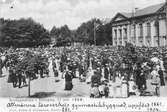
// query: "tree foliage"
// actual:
[[85, 32], [28, 33], [62, 35], [104, 34], [23, 33]]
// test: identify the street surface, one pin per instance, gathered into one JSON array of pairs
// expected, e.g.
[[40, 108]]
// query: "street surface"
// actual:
[[50, 87]]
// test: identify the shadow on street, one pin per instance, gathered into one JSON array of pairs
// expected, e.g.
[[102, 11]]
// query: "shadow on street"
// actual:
[[42, 94]]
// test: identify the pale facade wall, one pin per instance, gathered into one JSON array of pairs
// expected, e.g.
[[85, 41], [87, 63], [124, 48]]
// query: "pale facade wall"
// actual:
[[145, 34], [162, 28], [151, 41], [128, 32], [137, 41]]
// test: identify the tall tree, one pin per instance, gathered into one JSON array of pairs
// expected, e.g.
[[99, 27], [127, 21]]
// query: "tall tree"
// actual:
[[23, 33], [86, 32], [62, 35], [104, 34]]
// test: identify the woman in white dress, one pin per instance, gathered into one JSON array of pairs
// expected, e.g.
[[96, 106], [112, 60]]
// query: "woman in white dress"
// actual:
[[155, 81], [90, 73]]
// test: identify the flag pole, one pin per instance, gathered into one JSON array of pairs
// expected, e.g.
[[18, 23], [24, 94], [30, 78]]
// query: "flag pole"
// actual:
[[94, 33]]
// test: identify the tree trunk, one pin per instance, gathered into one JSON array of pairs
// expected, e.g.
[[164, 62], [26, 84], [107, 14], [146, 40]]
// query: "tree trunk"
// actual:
[[29, 78]]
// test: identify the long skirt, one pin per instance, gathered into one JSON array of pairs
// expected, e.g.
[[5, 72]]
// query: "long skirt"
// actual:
[[162, 80], [112, 90], [68, 85], [124, 90], [118, 91], [11, 78]]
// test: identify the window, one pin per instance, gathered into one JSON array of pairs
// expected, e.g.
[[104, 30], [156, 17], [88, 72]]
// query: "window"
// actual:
[[148, 29], [157, 28], [115, 33], [134, 30], [125, 33], [120, 32], [141, 29]]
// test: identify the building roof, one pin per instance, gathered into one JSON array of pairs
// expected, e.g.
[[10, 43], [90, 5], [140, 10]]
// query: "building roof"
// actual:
[[145, 11], [128, 15], [149, 10]]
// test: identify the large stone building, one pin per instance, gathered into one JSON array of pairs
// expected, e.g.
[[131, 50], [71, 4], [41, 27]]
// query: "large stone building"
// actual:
[[144, 27]]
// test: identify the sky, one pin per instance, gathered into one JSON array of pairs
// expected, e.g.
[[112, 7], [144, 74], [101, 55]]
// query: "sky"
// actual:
[[71, 12]]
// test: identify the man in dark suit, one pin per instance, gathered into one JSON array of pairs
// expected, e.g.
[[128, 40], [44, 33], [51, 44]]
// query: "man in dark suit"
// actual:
[[12, 75], [81, 70], [19, 76], [96, 78], [161, 74], [106, 72], [68, 80]]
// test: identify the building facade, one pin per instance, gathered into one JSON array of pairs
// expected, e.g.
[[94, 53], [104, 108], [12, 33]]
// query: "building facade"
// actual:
[[145, 27]]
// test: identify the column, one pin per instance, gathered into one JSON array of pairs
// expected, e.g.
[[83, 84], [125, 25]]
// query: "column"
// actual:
[[132, 34], [113, 36], [118, 36], [128, 32], [153, 33], [123, 35], [137, 35], [162, 32]]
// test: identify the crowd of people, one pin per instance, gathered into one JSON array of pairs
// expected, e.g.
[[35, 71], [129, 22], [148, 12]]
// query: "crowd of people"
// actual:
[[110, 71]]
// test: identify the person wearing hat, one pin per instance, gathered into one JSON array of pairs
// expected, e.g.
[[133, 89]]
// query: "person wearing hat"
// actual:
[[94, 91], [12, 76], [155, 80], [161, 74], [101, 88], [19, 77], [68, 80], [80, 69], [138, 81], [106, 89], [143, 81], [96, 78], [106, 72], [24, 78]]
